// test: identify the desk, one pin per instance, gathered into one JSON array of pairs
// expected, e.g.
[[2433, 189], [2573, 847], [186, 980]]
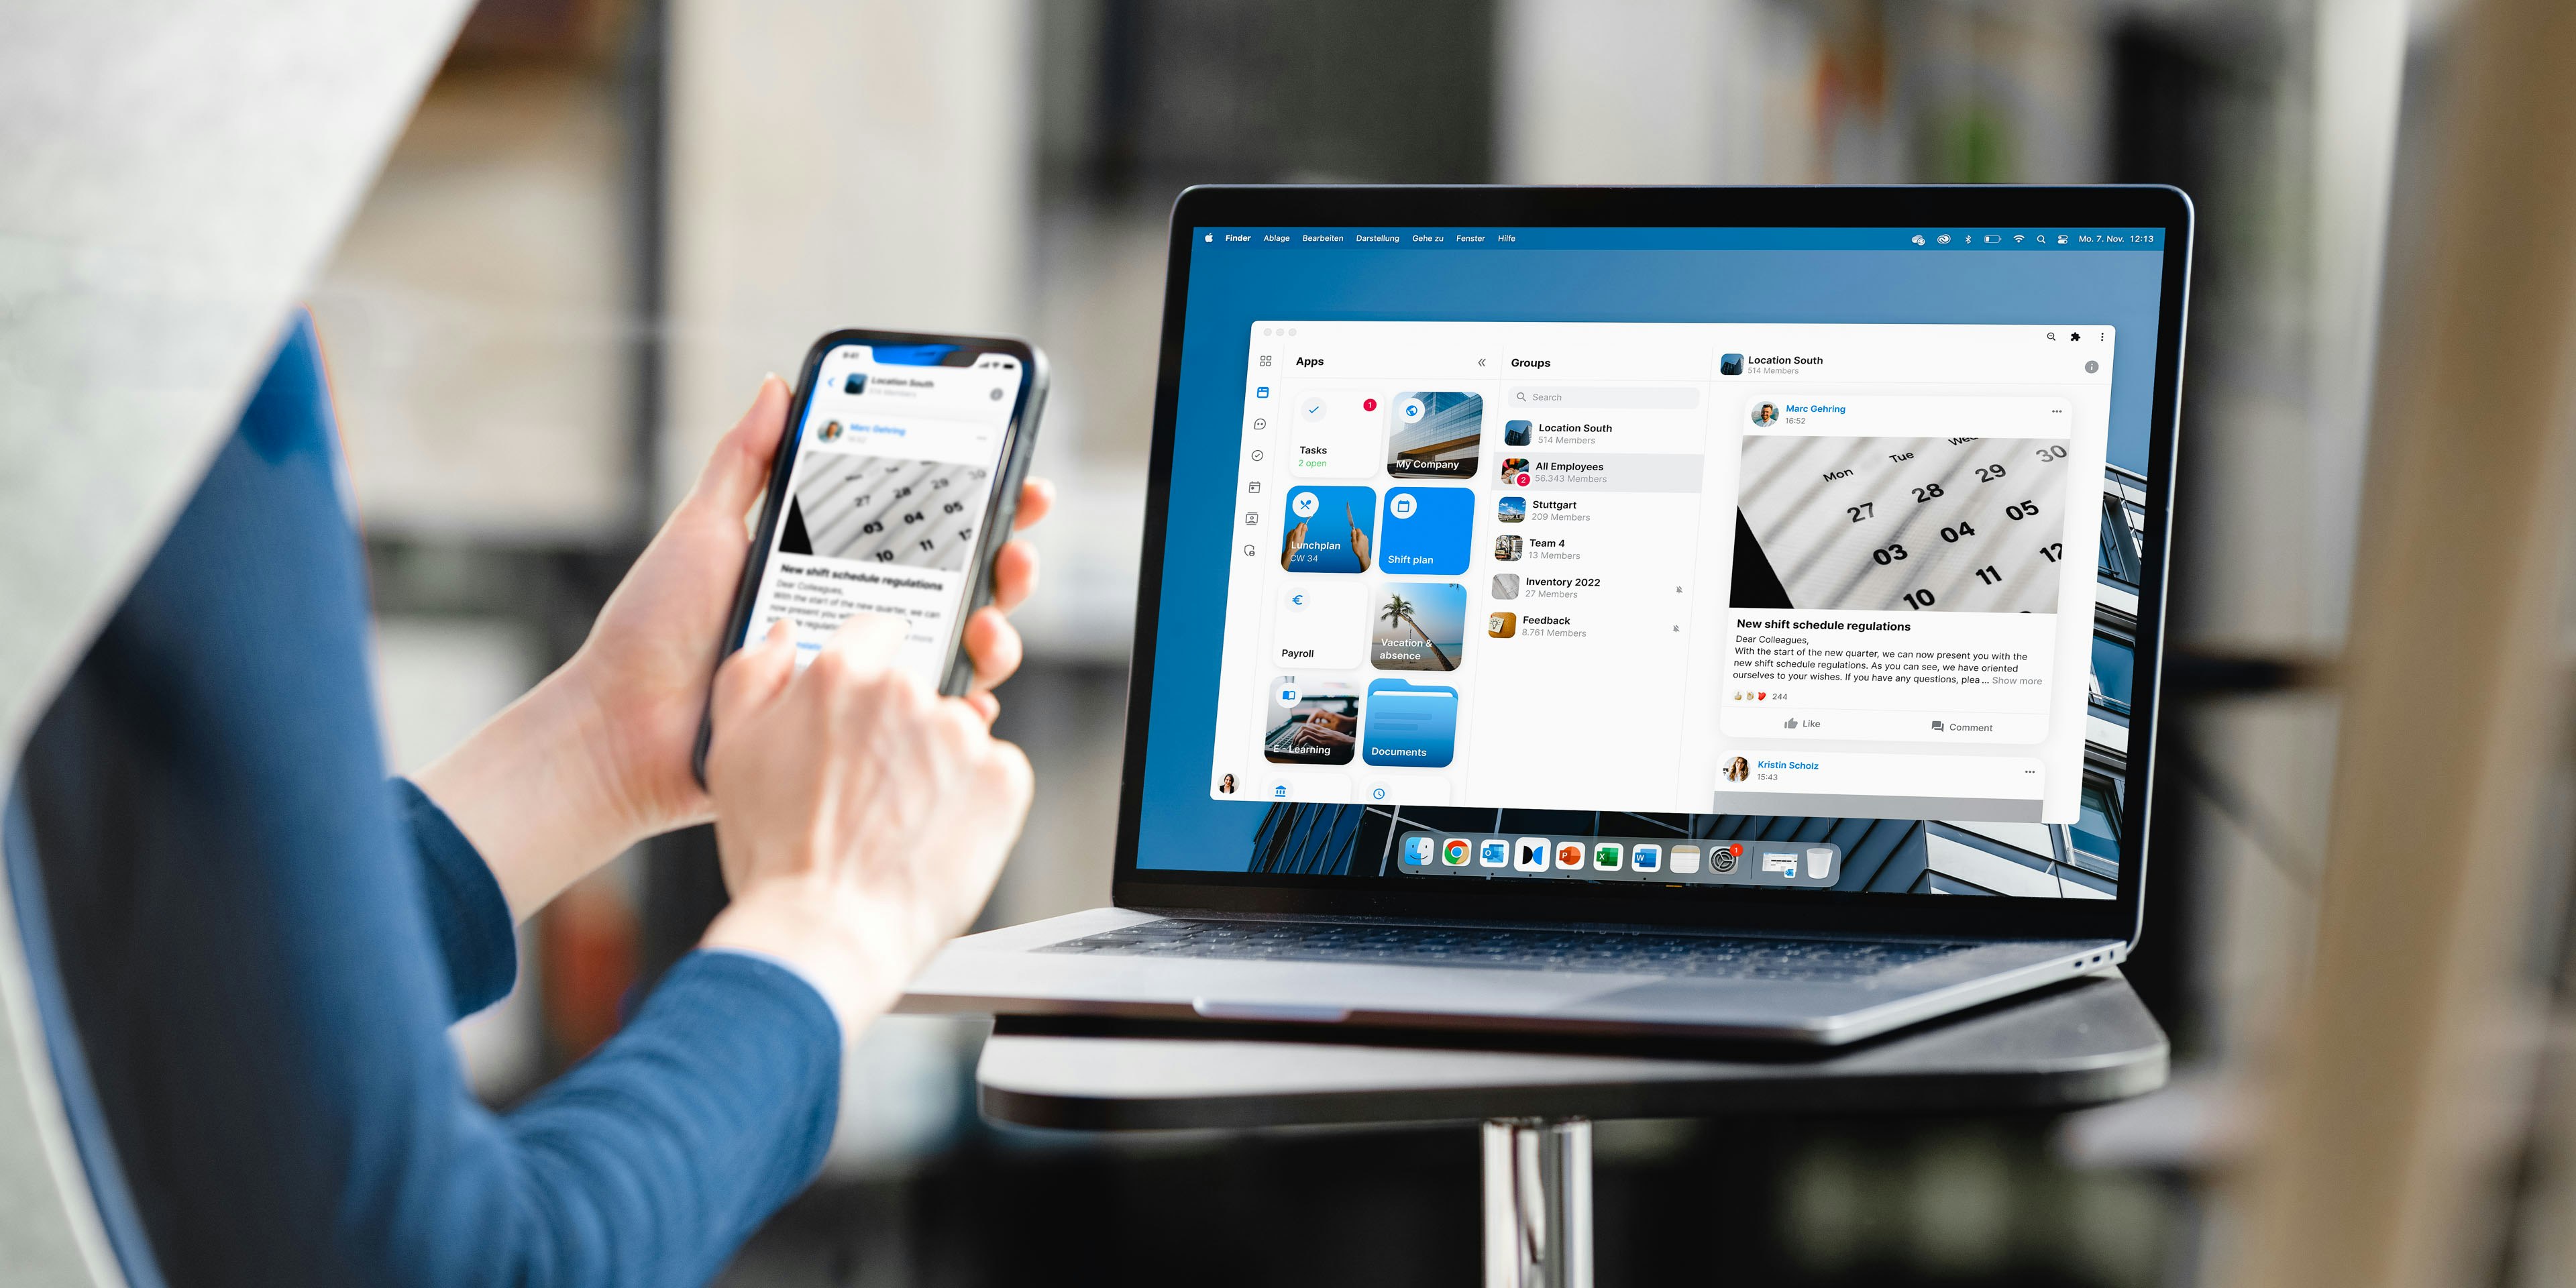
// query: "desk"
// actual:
[[2083, 1043]]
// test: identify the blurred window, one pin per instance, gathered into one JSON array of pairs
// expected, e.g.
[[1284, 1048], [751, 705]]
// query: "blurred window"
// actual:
[[2097, 821], [2119, 555], [2115, 665]]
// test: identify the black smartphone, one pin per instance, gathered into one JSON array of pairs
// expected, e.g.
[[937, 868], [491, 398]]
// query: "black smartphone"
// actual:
[[892, 492]]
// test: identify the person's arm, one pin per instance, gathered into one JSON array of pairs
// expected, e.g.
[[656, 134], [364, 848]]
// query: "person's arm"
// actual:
[[651, 1161], [861, 819], [596, 757], [241, 920]]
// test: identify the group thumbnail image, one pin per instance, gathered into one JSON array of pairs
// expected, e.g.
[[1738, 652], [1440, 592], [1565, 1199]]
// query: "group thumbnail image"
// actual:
[[883, 510], [1435, 435], [1869, 524]]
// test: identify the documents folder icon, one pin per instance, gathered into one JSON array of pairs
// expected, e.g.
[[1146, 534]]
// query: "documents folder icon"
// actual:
[[1409, 724]]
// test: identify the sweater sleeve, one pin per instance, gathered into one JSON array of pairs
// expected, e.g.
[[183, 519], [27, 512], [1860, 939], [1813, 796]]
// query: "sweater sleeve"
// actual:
[[651, 1161], [468, 917]]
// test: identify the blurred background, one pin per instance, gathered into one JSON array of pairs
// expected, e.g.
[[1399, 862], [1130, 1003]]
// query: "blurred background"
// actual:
[[610, 217]]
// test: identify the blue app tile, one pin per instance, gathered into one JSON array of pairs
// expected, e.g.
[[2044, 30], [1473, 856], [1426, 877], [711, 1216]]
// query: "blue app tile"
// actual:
[[1427, 530], [1327, 529], [1409, 724]]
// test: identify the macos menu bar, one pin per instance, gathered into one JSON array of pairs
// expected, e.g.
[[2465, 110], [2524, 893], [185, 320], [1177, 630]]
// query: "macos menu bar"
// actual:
[[1926, 239]]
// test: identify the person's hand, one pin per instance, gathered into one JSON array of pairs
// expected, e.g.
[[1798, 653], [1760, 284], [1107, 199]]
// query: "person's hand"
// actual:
[[650, 655], [861, 818], [1288, 548], [596, 757]]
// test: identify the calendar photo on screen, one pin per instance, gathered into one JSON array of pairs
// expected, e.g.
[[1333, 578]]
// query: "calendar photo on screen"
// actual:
[[1868, 524], [885, 511]]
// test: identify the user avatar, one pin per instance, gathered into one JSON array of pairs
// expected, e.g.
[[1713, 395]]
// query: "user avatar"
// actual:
[[857, 383], [1516, 471], [1507, 547], [1767, 414], [1737, 771], [1503, 626], [1516, 433], [831, 431], [1510, 509], [1730, 364], [1226, 785], [1507, 585]]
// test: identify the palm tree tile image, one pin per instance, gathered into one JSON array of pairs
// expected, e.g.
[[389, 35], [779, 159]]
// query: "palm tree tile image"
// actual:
[[1420, 626]]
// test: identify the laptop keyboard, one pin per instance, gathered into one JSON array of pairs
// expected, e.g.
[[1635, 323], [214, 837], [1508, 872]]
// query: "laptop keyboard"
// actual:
[[1591, 951]]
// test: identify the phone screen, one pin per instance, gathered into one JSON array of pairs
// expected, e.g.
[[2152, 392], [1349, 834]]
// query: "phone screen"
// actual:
[[893, 480]]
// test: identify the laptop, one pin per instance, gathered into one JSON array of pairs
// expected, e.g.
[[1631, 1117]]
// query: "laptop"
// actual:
[[1730, 612]]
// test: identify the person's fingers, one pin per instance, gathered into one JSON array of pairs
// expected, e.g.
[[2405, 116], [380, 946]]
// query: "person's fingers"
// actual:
[[864, 645], [1008, 781], [1015, 575], [993, 646], [1037, 501], [752, 677], [738, 469], [985, 705]]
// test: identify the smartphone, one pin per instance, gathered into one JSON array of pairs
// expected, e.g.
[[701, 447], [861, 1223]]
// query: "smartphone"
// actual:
[[893, 490]]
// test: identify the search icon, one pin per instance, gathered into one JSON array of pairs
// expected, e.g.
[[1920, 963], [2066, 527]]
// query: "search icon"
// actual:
[[1518, 396]]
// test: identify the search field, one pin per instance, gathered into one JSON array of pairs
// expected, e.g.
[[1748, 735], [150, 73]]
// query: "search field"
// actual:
[[1639, 397]]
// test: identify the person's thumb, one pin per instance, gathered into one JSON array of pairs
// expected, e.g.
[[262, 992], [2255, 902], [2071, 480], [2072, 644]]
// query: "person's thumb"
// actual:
[[739, 467]]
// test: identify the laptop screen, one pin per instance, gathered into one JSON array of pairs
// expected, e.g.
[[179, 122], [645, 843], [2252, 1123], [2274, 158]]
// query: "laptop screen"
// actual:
[[1791, 558]]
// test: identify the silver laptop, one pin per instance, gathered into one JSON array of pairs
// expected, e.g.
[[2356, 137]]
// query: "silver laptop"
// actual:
[[1726, 612]]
